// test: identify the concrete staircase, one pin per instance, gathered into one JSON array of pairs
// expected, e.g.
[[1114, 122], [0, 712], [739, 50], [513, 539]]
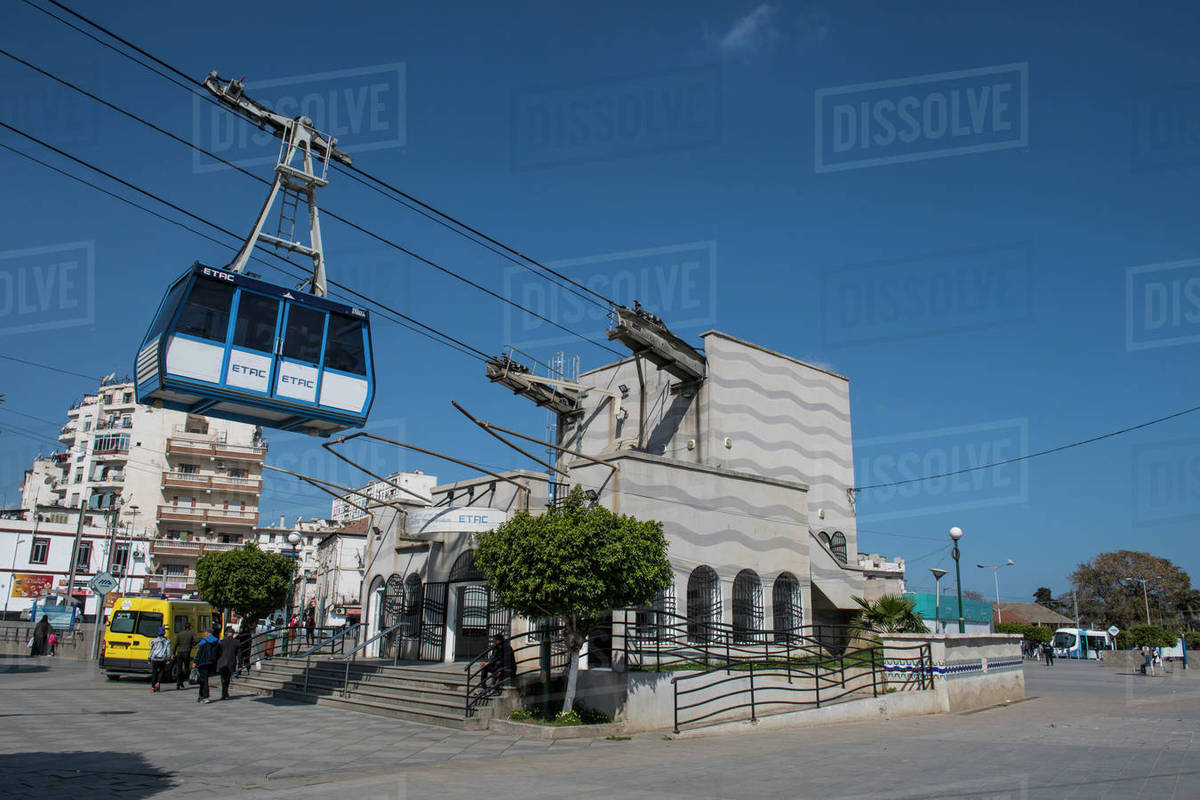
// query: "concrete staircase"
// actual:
[[429, 693]]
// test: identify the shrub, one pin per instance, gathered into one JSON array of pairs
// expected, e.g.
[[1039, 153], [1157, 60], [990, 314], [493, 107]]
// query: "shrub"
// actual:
[[1146, 636], [568, 718], [521, 714], [1191, 640]]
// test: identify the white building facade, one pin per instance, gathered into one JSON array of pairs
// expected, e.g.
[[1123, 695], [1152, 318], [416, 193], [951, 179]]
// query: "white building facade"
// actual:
[[36, 559], [188, 483]]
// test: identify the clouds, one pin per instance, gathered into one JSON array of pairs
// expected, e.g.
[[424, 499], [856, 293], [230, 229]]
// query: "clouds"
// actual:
[[750, 34], [756, 32]]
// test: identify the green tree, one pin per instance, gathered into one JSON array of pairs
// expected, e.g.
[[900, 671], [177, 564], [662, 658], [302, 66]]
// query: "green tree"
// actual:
[[1043, 596], [891, 613], [577, 564], [249, 581], [1146, 636], [1037, 634], [1106, 596]]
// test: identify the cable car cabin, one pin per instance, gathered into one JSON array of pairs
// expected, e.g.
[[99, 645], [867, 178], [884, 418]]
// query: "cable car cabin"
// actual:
[[227, 345]]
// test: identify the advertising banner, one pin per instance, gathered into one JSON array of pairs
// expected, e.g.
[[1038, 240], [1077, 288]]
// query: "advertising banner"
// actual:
[[25, 584]]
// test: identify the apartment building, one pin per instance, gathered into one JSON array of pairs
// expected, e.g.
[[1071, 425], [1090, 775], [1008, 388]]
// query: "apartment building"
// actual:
[[277, 539], [404, 487], [36, 550], [188, 484], [340, 568]]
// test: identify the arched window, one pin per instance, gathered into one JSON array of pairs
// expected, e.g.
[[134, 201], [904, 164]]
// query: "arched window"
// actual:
[[703, 604], [464, 569], [655, 621], [747, 607], [837, 546], [786, 607], [824, 537], [414, 602]]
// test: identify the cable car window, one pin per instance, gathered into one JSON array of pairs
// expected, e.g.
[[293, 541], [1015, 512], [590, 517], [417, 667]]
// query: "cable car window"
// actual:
[[344, 349], [255, 325], [206, 313], [167, 310], [305, 328]]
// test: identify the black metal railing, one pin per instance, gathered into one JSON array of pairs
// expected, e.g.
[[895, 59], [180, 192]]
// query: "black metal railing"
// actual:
[[286, 642], [772, 687], [528, 656], [660, 640]]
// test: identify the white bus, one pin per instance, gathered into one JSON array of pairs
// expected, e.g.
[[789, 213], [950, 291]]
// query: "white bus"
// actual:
[[1081, 643]]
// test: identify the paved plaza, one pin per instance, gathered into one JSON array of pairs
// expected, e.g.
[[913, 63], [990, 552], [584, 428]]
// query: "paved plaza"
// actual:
[[1085, 732]]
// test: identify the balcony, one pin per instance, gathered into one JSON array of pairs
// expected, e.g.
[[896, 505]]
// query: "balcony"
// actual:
[[230, 516], [220, 483], [111, 452], [184, 480], [180, 514], [207, 516], [111, 477], [67, 432], [192, 548], [181, 446], [228, 483]]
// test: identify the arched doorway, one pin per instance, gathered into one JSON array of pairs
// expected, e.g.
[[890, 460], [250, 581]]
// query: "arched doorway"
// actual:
[[372, 614], [477, 614]]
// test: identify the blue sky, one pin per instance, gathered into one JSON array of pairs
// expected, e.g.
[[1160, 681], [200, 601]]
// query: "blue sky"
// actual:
[[975, 286]]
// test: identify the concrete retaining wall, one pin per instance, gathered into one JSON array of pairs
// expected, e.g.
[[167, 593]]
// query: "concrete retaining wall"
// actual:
[[971, 670], [896, 704]]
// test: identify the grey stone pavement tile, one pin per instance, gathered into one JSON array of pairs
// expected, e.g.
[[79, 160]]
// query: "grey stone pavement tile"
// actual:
[[1087, 733]]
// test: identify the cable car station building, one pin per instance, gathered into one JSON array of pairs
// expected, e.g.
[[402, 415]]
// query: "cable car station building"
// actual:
[[744, 454]]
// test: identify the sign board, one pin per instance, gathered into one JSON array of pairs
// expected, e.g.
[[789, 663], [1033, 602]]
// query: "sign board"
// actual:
[[61, 617], [1113, 630], [26, 584], [460, 519], [102, 583]]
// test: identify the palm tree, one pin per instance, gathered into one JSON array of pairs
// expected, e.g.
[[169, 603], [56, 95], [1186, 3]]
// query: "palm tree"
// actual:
[[891, 613]]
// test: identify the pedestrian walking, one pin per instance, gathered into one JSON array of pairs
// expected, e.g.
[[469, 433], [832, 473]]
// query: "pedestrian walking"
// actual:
[[227, 661], [208, 650], [1147, 661], [310, 624], [52, 641], [160, 659], [185, 640], [41, 637], [1047, 655]]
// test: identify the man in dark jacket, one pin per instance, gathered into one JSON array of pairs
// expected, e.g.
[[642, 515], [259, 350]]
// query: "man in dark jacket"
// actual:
[[501, 664], [207, 653], [227, 660], [185, 640]]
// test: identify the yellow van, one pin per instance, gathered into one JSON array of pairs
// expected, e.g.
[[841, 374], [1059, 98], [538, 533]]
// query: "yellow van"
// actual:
[[136, 620]]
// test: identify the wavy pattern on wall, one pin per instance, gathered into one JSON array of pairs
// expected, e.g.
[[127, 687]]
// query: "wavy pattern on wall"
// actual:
[[774, 513], [794, 372], [758, 389], [841, 436]]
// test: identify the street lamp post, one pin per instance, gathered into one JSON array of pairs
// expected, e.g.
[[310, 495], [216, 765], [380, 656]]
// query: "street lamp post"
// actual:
[[995, 568], [956, 533], [1145, 595], [294, 539], [938, 574]]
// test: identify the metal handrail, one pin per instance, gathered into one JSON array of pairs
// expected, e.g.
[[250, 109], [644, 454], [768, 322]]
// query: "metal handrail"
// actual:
[[830, 671], [673, 639], [352, 656], [478, 693], [336, 637]]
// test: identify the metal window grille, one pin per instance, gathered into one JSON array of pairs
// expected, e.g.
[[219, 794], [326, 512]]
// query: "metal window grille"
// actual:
[[464, 569], [747, 607], [837, 545], [653, 622], [786, 607], [414, 601], [703, 604]]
